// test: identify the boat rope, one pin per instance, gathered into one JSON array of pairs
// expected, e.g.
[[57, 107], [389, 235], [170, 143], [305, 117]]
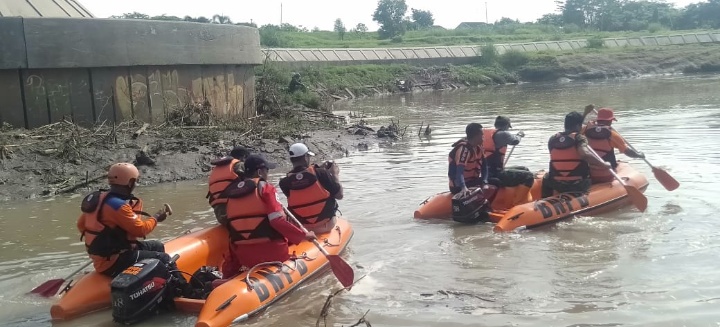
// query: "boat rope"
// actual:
[[326, 241]]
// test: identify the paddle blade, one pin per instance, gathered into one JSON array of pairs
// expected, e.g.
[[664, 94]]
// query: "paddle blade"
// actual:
[[342, 270], [49, 288], [638, 199], [667, 181]]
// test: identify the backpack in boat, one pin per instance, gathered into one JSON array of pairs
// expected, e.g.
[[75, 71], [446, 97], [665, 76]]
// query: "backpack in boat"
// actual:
[[472, 208], [201, 282], [142, 290]]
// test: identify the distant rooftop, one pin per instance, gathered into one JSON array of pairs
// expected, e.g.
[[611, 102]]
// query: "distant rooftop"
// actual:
[[43, 8]]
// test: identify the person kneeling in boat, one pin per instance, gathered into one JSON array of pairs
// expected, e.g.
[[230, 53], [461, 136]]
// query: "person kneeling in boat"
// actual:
[[495, 143], [467, 166], [570, 160], [110, 225], [604, 140], [259, 231], [312, 191], [225, 171]]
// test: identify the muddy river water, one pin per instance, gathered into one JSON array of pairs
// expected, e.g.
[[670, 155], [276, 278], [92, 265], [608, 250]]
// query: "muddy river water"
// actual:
[[624, 268]]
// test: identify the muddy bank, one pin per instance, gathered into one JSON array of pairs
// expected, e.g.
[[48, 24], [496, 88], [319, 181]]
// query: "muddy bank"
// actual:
[[65, 158]]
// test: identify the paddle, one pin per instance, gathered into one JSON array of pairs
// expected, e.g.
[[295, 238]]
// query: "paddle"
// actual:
[[50, 288], [507, 158], [342, 270], [667, 181], [638, 199]]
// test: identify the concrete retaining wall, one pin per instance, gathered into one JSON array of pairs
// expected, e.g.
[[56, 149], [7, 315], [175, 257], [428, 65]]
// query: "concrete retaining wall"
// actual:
[[95, 70], [464, 54]]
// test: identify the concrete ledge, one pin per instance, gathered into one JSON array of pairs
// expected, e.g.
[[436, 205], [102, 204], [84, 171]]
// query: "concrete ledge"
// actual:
[[79, 42]]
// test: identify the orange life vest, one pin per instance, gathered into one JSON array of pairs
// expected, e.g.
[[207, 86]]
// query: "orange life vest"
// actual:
[[599, 140], [101, 239], [220, 177], [308, 200], [495, 157], [247, 218], [473, 167], [565, 161]]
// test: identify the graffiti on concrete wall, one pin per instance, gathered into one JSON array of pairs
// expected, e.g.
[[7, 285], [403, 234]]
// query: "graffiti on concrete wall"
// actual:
[[99, 95]]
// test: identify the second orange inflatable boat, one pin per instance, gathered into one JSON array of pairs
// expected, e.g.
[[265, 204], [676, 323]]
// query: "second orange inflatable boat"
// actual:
[[233, 301], [602, 198]]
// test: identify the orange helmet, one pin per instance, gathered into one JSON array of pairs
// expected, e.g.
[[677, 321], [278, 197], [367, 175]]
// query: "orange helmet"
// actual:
[[122, 173]]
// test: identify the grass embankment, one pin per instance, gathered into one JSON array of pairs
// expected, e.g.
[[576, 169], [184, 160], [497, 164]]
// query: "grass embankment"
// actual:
[[440, 37], [492, 69]]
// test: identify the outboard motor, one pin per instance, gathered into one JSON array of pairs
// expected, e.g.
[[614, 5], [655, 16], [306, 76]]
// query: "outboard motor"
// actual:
[[473, 208], [142, 290]]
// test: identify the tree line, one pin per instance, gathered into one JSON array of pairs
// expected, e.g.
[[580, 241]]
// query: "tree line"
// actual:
[[572, 16]]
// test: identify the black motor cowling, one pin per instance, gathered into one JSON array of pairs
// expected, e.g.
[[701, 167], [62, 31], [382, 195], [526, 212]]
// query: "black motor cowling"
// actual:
[[472, 208], [141, 291]]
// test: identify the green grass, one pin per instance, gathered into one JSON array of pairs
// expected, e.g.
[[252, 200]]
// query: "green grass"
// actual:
[[438, 37]]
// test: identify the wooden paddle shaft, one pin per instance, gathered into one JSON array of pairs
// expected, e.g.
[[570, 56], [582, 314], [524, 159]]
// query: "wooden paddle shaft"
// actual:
[[297, 222]]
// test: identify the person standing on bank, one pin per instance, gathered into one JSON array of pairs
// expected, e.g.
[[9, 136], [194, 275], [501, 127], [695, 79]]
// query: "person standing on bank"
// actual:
[[312, 191]]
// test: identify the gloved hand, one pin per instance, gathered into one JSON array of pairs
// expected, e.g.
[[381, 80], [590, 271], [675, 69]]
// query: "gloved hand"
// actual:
[[464, 192], [641, 155], [589, 108], [310, 236], [332, 167], [521, 134], [162, 214]]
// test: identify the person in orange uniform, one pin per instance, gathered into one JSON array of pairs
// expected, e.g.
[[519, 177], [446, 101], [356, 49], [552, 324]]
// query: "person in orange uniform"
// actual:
[[110, 225], [570, 160], [225, 171], [495, 143], [467, 166], [312, 191], [259, 231], [604, 140]]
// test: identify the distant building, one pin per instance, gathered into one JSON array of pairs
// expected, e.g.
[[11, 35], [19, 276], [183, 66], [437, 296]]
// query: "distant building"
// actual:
[[437, 27], [470, 25], [55, 8]]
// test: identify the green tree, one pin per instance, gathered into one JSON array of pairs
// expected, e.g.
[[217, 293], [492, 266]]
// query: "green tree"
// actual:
[[221, 19], [132, 15], [339, 28], [361, 28], [423, 18], [390, 14]]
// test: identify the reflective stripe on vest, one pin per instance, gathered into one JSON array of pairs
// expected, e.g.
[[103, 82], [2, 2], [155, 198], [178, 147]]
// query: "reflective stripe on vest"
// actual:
[[307, 198], [220, 177], [599, 140], [248, 222], [104, 240], [473, 168], [565, 161]]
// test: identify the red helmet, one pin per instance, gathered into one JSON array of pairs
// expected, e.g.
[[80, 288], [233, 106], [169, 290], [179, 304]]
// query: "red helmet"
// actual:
[[122, 174]]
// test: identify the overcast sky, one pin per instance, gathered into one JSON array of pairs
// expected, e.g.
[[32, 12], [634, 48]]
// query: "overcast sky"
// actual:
[[322, 13]]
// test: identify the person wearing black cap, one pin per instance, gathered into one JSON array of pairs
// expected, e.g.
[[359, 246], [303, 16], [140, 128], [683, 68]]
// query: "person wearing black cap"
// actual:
[[495, 143], [225, 171], [570, 160], [312, 191], [259, 231]]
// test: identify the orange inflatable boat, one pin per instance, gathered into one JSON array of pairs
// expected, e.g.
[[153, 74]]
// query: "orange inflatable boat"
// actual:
[[602, 198], [233, 301]]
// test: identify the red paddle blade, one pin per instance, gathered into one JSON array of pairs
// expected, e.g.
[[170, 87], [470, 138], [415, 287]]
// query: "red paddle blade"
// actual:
[[667, 181], [342, 270], [49, 288], [638, 199]]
